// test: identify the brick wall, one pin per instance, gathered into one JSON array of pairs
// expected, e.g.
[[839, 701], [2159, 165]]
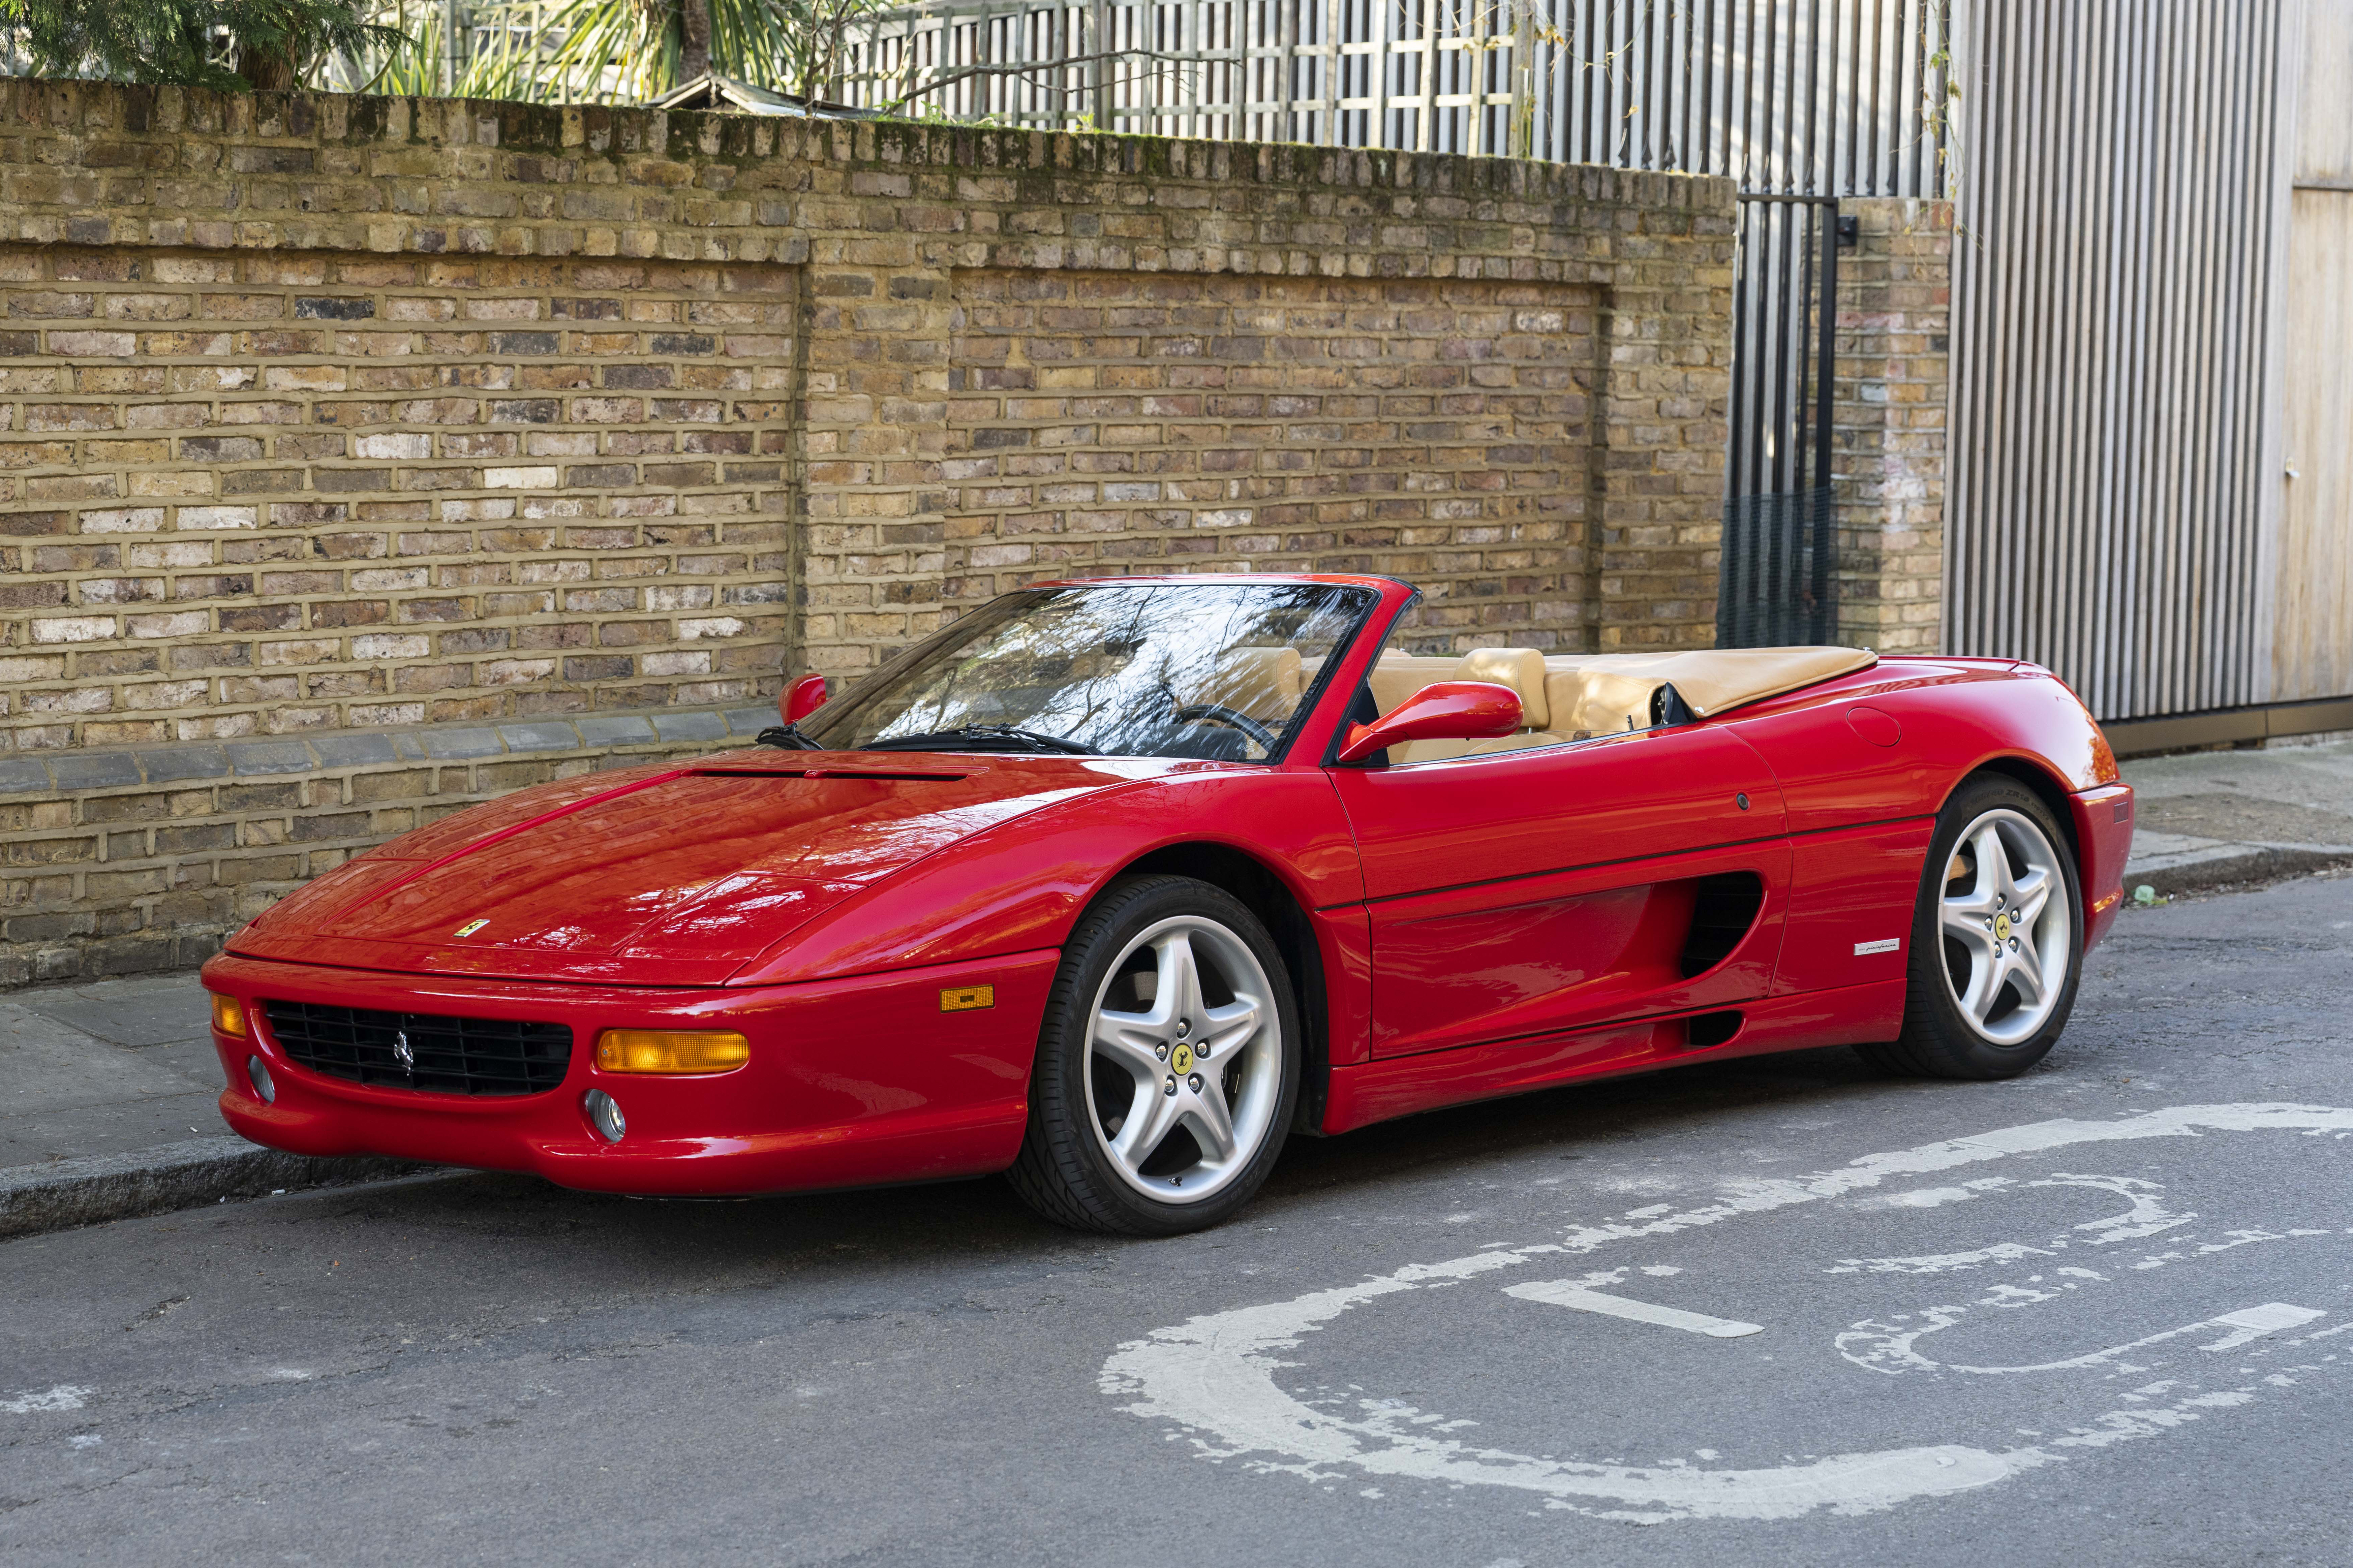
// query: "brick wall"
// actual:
[[259, 494], [322, 419], [1433, 431], [1890, 425]]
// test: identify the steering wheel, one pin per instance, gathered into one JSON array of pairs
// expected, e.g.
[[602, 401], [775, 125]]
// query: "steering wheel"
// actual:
[[1218, 713]]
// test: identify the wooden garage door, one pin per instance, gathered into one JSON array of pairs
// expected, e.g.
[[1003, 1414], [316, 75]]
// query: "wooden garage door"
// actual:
[[2313, 653]]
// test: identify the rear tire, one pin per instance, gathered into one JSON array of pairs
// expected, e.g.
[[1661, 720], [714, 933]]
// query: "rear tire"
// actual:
[[1997, 939], [1167, 1065]]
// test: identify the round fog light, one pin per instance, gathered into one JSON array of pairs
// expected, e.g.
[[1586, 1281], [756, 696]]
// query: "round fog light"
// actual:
[[257, 1072], [605, 1115]]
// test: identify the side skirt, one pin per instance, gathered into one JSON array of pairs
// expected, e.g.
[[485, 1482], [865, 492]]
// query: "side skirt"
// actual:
[[1400, 1086]]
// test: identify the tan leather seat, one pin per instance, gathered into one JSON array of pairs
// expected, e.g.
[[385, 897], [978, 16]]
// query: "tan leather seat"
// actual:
[[1398, 676], [1520, 669], [1265, 683], [1588, 702], [1574, 697]]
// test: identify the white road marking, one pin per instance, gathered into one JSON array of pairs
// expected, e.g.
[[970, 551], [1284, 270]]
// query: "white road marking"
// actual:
[[64, 1396], [1216, 1374], [1879, 1348], [1585, 1299], [2254, 1322], [2148, 1216]]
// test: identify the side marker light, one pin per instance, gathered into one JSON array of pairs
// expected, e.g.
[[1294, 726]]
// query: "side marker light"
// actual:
[[228, 1015], [672, 1050], [967, 998]]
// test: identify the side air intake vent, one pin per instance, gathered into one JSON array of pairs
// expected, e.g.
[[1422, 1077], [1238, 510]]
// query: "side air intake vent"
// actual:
[[1710, 1030], [1723, 913]]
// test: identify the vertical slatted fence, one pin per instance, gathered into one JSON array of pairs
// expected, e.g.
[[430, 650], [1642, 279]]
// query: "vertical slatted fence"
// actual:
[[2113, 278], [1820, 96]]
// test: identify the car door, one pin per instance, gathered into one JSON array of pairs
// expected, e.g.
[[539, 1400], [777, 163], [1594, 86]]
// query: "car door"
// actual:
[[1524, 893]]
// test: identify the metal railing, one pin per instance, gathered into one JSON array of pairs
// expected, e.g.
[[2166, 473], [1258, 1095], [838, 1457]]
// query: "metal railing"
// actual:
[[1778, 539]]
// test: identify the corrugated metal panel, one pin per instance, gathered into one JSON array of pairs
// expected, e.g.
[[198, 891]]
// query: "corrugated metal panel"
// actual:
[[1818, 97], [2113, 283]]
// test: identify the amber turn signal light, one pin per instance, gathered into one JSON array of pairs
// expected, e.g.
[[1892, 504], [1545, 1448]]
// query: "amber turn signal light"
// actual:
[[228, 1015], [672, 1050]]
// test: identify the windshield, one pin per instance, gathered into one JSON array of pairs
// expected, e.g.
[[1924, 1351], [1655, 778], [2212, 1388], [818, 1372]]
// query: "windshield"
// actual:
[[1161, 669]]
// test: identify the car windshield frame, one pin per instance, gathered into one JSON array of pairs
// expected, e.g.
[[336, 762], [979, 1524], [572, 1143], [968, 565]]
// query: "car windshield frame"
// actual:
[[1364, 598]]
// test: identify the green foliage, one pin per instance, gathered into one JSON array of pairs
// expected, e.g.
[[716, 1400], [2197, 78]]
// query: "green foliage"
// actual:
[[624, 52], [551, 51], [227, 45], [419, 68]]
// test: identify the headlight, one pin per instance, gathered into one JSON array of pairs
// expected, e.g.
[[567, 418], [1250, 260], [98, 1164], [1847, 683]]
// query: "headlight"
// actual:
[[672, 1050]]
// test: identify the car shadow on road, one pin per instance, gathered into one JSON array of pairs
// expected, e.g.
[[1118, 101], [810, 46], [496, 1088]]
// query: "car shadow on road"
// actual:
[[712, 1242]]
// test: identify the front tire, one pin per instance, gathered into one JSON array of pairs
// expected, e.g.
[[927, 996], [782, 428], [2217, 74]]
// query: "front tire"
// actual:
[[1168, 1066], [1997, 939]]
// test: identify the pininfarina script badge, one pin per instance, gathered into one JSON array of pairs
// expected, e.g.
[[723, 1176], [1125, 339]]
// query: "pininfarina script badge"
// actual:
[[402, 1052]]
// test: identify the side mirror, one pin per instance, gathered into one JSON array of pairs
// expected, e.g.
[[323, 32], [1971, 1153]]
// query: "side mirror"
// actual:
[[1447, 711], [801, 699]]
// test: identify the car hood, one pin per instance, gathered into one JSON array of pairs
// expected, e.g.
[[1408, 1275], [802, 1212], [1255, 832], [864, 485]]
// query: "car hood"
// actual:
[[666, 874]]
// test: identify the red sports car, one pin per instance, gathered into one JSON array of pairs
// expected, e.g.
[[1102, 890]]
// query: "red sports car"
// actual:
[[1114, 885]]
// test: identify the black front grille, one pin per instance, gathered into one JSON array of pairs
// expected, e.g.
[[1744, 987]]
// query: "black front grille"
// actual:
[[447, 1056]]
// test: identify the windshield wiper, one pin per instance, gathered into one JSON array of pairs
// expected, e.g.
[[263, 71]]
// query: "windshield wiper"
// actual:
[[964, 736], [788, 737]]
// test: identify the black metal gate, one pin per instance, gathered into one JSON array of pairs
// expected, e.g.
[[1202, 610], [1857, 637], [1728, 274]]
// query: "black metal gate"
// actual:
[[1775, 583]]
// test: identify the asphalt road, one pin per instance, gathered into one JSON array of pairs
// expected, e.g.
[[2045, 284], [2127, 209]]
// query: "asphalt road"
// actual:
[[1777, 1311]]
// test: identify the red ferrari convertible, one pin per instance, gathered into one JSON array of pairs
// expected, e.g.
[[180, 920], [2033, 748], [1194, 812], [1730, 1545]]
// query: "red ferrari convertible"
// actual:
[[1113, 886]]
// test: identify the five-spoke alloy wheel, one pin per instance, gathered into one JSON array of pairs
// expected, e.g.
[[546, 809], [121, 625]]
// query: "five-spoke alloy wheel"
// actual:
[[1998, 944], [2007, 925], [1168, 1065]]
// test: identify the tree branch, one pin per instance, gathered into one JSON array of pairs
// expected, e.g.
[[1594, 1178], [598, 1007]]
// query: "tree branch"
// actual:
[[1026, 69]]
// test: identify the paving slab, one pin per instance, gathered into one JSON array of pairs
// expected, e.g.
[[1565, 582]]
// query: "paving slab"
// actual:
[[107, 1109], [151, 1010], [65, 1094], [2215, 818]]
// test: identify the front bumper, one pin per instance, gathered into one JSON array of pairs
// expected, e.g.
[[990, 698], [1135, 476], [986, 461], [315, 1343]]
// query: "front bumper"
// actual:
[[2103, 832], [854, 1082]]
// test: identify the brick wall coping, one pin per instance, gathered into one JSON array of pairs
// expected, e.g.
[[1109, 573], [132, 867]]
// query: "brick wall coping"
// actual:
[[68, 771], [89, 163]]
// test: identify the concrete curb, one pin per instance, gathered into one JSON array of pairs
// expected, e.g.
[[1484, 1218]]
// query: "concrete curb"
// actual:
[[189, 1174], [2227, 870]]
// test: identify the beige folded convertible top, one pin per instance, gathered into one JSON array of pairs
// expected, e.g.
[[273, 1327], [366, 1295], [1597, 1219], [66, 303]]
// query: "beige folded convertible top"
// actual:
[[1572, 697], [1714, 679]]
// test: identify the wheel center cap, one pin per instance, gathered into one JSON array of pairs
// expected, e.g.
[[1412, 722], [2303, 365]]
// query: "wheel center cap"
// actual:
[[1181, 1059], [2002, 928]]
